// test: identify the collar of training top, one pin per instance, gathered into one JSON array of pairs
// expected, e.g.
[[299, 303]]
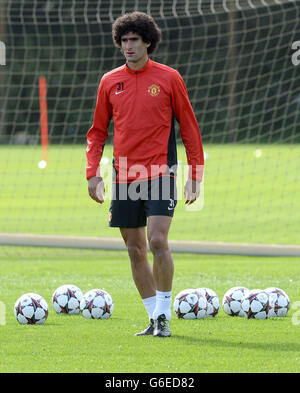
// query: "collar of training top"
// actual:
[[146, 66]]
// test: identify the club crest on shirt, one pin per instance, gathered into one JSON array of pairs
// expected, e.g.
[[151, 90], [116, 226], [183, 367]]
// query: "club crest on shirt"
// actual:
[[154, 90]]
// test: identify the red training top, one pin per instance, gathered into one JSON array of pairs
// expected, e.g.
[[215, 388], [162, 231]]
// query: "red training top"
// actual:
[[143, 105]]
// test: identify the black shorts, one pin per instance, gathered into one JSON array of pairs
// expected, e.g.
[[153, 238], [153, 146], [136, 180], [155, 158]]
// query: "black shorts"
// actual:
[[132, 203]]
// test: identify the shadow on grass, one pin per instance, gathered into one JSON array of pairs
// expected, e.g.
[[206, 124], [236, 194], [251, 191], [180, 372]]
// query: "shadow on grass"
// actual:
[[266, 346]]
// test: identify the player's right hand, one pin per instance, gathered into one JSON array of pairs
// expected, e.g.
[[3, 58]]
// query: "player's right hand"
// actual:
[[96, 188]]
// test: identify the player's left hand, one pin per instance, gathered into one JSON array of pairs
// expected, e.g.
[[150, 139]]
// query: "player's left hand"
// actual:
[[96, 189], [191, 191]]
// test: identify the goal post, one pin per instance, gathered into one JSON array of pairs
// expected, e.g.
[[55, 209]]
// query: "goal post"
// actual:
[[176, 246], [238, 59]]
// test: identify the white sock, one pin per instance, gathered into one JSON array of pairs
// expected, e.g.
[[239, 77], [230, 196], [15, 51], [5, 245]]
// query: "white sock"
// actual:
[[163, 304], [149, 304]]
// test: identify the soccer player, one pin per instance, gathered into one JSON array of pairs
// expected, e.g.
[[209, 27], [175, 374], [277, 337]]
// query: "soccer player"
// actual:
[[144, 97]]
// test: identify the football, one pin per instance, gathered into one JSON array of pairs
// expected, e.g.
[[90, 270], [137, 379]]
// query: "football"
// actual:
[[213, 301], [66, 299], [185, 291], [188, 304], [31, 309], [279, 302], [96, 304], [232, 301], [202, 306], [255, 304]]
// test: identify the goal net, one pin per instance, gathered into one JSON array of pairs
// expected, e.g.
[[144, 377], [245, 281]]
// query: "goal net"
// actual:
[[239, 61]]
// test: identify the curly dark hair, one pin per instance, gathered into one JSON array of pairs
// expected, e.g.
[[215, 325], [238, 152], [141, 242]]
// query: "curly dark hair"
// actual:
[[139, 23]]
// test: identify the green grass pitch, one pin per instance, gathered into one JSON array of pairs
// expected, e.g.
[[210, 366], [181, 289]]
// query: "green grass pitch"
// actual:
[[74, 344], [251, 195]]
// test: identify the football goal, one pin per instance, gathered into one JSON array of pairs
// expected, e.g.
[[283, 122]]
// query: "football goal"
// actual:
[[236, 58]]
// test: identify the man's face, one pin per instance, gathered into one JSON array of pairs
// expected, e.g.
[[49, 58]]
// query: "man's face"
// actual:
[[133, 47]]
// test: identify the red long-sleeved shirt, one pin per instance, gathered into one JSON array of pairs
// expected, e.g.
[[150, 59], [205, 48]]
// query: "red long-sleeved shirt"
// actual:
[[143, 105]]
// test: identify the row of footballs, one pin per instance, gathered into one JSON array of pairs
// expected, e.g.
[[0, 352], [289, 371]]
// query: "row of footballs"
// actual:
[[33, 309], [197, 303], [237, 301]]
